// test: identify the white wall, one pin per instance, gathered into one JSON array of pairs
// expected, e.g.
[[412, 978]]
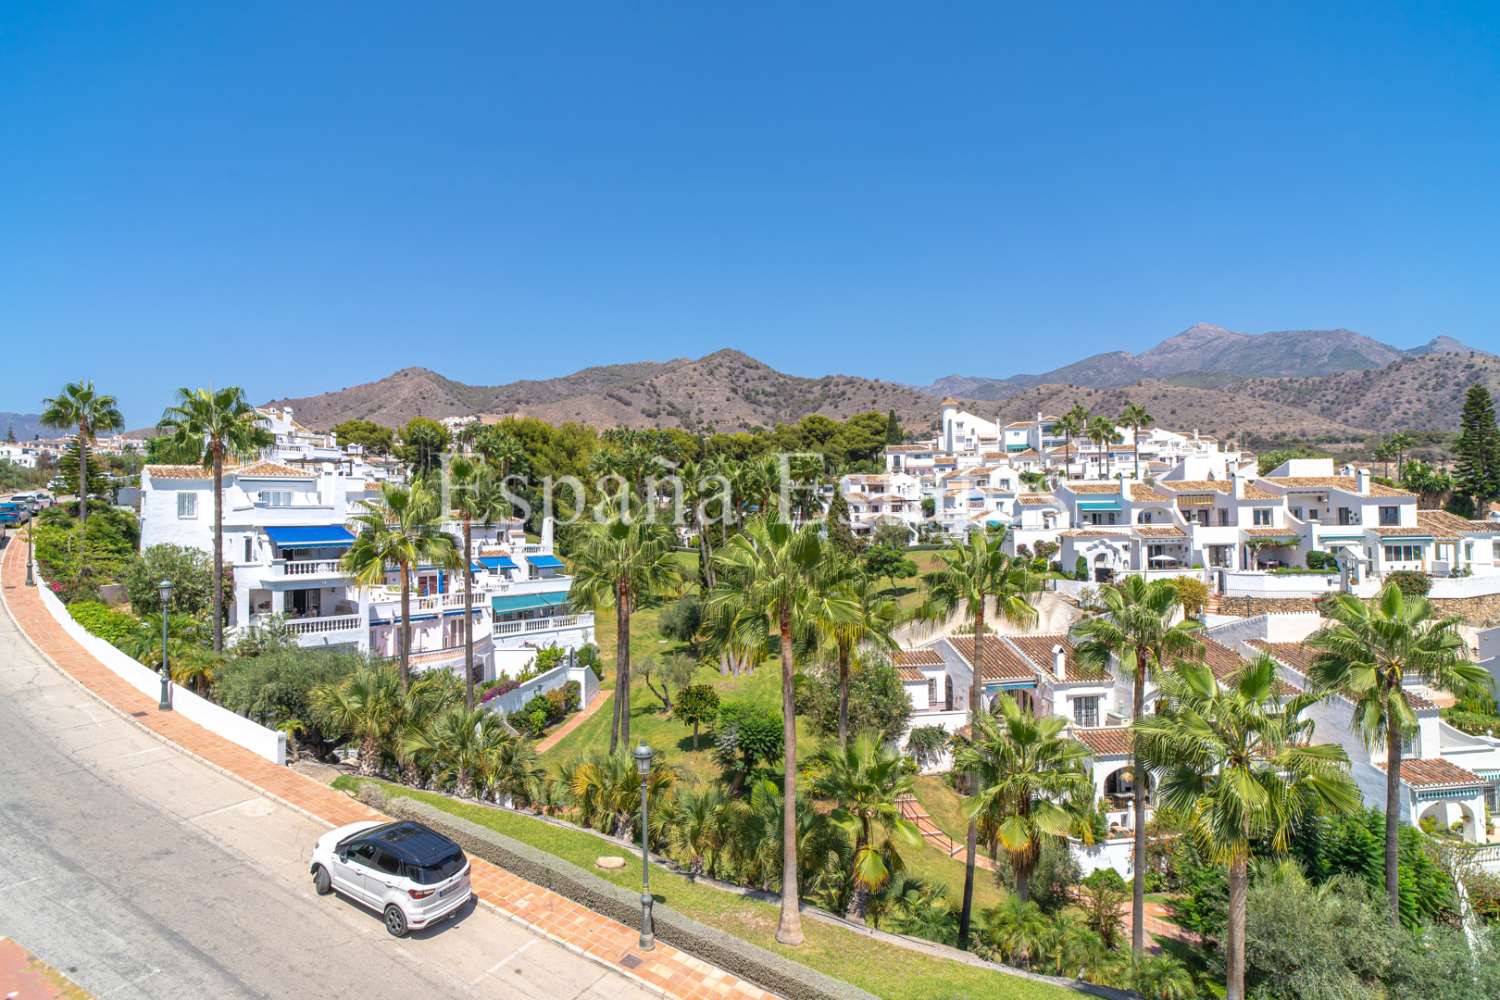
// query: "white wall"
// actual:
[[559, 676], [267, 743], [1114, 854], [1464, 586]]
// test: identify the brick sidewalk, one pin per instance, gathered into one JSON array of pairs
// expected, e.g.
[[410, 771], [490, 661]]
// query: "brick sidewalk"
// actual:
[[674, 973], [23, 976]]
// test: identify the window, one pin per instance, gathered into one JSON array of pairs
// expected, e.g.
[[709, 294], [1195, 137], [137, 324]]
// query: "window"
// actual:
[[249, 549], [1403, 553], [1223, 517], [1086, 711], [363, 853], [1297, 513], [1468, 551], [931, 690], [386, 862], [1390, 516], [276, 498], [1262, 516], [187, 505]]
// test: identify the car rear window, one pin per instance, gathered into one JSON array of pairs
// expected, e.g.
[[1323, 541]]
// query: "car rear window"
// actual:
[[437, 871]]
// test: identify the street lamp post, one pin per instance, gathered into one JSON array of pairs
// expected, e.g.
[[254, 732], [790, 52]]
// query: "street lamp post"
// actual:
[[643, 755], [165, 590], [30, 579]]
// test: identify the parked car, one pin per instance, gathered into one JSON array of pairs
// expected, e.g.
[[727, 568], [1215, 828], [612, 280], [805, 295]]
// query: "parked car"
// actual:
[[12, 514], [410, 874]]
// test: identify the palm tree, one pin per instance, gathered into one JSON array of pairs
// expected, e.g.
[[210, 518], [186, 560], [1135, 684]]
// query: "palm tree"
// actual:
[[1017, 929], [872, 625], [1073, 424], [864, 778], [478, 497], [81, 409], [400, 528], [606, 790], [770, 585], [1102, 431], [363, 706], [1400, 442], [1137, 629], [969, 574], [1367, 653], [1238, 766], [623, 562], [1032, 784], [1137, 419], [457, 744], [698, 831], [218, 423], [511, 769]]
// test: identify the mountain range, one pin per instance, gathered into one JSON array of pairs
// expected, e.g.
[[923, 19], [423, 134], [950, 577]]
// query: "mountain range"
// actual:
[[1328, 384]]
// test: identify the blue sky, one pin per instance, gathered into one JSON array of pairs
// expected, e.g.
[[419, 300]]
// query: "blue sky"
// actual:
[[301, 197]]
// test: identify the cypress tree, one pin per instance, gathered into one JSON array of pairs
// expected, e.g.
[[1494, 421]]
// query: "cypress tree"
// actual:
[[893, 433], [1477, 475], [840, 534]]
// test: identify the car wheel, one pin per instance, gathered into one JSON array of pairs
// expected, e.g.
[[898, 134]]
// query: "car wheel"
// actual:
[[395, 921], [322, 884]]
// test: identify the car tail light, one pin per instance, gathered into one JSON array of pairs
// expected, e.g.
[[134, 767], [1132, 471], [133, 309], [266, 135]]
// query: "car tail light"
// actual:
[[419, 893]]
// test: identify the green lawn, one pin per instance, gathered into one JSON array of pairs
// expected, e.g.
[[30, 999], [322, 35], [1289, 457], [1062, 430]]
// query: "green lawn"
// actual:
[[880, 968], [943, 805]]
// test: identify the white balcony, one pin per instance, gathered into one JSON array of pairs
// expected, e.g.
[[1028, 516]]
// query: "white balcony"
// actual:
[[319, 626], [306, 568]]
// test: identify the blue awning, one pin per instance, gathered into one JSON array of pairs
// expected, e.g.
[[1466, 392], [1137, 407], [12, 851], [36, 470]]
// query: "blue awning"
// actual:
[[311, 536], [526, 602], [497, 562], [1098, 505], [545, 562]]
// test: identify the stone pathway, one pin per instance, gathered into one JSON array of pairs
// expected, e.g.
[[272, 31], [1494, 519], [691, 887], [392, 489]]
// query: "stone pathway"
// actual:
[[578, 718], [672, 972]]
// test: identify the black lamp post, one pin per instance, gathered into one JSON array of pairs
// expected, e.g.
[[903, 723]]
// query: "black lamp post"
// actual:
[[165, 590], [643, 755], [30, 579]]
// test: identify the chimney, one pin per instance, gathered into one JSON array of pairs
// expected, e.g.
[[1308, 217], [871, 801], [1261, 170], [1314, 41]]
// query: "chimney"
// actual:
[[1362, 481], [547, 534], [1060, 662], [1238, 482]]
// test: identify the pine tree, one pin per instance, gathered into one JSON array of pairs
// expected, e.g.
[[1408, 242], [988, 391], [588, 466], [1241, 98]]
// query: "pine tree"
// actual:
[[1477, 475]]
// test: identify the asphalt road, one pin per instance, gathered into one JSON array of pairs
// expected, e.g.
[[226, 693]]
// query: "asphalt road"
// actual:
[[141, 873]]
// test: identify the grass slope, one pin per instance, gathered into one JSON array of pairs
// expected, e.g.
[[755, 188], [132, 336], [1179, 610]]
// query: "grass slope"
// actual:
[[872, 965]]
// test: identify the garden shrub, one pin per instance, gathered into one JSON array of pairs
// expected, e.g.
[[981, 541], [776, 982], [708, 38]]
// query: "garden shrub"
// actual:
[[275, 687], [876, 698], [680, 619], [1410, 582], [110, 624], [190, 570]]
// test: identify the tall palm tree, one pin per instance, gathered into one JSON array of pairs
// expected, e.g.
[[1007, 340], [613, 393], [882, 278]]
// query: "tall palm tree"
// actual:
[[1137, 419], [623, 562], [969, 574], [872, 625], [1073, 424], [1138, 629], [401, 528], [1102, 431], [364, 706], [81, 409], [1367, 653], [864, 778], [1400, 442], [769, 582], [1032, 784], [219, 423], [1237, 765], [478, 497]]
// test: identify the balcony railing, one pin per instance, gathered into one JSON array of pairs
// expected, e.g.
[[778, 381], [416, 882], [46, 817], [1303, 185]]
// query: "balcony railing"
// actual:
[[317, 626], [536, 625], [308, 567]]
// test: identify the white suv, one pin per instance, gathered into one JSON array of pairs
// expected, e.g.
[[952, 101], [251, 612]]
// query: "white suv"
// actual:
[[413, 876]]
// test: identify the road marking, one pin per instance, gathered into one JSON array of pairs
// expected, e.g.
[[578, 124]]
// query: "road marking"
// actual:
[[498, 965]]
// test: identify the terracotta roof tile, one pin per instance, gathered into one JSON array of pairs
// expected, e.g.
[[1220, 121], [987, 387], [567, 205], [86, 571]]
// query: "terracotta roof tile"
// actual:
[[179, 472], [1271, 532], [1093, 487], [1159, 531], [273, 469], [1037, 499], [1121, 532], [1002, 662], [1441, 524], [1434, 773], [1105, 741], [1038, 649], [1141, 493]]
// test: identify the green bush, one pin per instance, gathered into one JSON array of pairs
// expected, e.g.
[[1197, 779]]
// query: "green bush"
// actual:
[[746, 736], [1317, 559], [73, 563], [680, 619], [876, 698], [273, 688], [190, 570], [111, 625], [1410, 582]]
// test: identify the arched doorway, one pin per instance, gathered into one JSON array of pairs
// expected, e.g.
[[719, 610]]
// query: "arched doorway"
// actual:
[[1103, 568]]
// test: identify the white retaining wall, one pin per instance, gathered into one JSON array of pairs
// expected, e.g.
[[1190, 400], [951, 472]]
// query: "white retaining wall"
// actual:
[[267, 743], [559, 676], [1114, 854], [1464, 586]]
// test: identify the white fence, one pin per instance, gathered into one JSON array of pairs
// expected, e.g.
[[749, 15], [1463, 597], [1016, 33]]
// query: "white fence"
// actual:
[[267, 743], [1101, 854], [1464, 586]]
